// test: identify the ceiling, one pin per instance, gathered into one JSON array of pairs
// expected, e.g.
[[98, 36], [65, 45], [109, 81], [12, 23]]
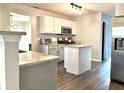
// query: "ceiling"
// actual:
[[65, 8]]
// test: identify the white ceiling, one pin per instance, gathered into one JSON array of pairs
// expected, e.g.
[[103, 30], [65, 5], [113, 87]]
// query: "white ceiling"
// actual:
[[65, 8]]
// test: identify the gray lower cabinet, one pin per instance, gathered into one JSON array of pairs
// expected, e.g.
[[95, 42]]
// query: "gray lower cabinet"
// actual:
[[57, 50], [53, 51], [39, 77], [61, 53]]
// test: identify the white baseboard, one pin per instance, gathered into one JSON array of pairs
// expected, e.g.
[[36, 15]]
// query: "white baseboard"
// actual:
[[96, 60]]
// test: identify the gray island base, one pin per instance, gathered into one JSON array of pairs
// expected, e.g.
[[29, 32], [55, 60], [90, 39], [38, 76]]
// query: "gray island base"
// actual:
[[38, 71]]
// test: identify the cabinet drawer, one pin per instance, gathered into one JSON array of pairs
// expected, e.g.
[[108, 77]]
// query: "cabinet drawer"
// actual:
[[53, 47], [53, 52]]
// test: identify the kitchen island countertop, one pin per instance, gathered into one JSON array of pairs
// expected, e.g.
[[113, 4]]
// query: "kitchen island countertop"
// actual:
[[78, 46]]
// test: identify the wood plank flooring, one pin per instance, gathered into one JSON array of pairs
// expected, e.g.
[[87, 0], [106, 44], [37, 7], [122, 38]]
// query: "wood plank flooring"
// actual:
[[98, 78]]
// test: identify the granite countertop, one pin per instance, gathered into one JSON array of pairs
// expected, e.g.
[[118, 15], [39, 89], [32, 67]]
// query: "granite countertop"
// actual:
[[60, 44], [32, 58], [12, 33], [78, 46]]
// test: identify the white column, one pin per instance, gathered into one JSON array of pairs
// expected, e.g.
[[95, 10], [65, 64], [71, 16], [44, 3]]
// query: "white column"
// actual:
[[9, 61]]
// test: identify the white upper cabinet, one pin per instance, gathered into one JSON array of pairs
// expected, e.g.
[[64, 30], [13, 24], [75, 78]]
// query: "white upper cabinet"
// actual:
[[53, 25], [46, 24], [58, 25]]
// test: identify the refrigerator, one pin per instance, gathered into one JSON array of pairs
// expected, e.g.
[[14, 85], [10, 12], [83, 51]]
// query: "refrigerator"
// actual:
[[117, 60]]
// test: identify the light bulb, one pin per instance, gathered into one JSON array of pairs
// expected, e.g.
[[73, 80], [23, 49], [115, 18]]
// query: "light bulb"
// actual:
[[79, 11], [73, 9], [76, 10]]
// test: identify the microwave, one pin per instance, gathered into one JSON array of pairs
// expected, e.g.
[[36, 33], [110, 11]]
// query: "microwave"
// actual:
[[66, 30]]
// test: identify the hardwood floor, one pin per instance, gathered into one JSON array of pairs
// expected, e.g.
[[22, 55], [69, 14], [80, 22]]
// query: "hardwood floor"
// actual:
[[98, 78]]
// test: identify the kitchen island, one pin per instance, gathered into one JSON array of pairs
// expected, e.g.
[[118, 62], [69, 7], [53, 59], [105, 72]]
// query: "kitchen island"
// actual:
[[38, 71], [77, 58]]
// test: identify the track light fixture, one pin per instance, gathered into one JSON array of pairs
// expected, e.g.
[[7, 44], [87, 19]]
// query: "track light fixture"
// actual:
[[77, 9]]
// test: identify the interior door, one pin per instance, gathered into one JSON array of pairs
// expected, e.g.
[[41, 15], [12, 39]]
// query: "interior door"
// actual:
[[103, 40]]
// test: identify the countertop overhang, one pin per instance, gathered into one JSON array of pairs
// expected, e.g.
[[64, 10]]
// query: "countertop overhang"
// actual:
[[12, 33]]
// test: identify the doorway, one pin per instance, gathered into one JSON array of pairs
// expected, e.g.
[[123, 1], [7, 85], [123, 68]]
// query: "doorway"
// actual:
[[103, 40], [19, 22]]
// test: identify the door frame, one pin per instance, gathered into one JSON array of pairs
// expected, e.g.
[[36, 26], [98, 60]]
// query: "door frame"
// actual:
[[103, 42]]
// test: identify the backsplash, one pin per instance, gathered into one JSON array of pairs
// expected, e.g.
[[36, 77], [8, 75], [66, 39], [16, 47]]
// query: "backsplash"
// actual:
[[55, 36]]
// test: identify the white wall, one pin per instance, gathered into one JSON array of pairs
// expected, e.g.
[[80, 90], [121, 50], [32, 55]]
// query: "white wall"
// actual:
[[108, 35], [0, 15], [26, 39], [35, 34], [90, 32], [119, 9], [33, 13], [4, 24]]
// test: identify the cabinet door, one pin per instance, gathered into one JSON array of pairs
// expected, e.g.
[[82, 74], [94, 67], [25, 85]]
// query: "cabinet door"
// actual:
[[53, 52], [58, 24], [74, 27], [46, 24], [61, 53], [49, 24]]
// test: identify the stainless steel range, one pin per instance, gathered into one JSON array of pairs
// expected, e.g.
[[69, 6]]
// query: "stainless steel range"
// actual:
[[65, 41]]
